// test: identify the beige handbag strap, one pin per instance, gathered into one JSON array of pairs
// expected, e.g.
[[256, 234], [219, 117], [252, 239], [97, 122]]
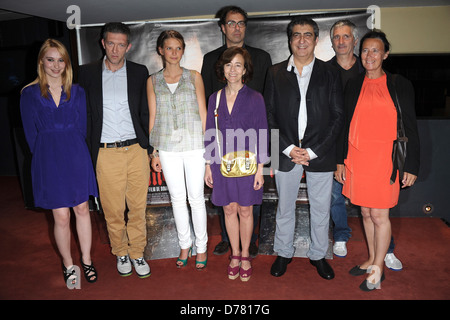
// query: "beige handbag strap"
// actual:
[[216, 115]]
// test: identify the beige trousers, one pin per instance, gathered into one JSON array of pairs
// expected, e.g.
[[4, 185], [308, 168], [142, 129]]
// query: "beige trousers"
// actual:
[[123, 177]]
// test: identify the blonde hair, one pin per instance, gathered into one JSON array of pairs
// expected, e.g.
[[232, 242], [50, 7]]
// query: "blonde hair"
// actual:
[[67, 74]]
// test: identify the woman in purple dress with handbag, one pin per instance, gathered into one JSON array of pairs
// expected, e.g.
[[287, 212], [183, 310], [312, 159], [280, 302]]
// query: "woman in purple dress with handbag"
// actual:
[[242, 126], [54, 120]]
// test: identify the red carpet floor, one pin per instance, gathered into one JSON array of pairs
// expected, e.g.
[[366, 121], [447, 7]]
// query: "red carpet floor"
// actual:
[[30, 267]]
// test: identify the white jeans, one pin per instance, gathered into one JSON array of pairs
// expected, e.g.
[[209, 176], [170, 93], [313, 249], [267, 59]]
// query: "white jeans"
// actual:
[[186, 170]]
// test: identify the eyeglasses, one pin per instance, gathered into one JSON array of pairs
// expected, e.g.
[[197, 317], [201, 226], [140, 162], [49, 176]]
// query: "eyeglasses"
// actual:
[[232, 24]]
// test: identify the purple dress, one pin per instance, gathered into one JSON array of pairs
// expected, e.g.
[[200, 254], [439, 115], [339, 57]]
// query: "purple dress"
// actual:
[[61, 169], [248, 114]]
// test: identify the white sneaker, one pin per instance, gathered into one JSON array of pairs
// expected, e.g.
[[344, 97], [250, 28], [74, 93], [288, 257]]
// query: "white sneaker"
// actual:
[[142, 267], [124, 266], [392, 262], [340, 248]]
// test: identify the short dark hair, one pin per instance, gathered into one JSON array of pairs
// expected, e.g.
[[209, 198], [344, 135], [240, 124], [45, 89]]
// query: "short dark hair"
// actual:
[[375, 34], [168, 34], [227, 56], [301, 20], [222, 14], [116, 27]]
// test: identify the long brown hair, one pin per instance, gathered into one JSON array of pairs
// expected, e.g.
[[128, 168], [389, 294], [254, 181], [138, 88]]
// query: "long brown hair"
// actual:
[[67, 74]]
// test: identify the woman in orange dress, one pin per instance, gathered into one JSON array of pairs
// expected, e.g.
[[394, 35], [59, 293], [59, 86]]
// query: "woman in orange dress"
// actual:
[[371, 128]]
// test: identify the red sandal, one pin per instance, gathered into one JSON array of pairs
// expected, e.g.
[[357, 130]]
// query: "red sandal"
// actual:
[[233, 272], [245, 274]]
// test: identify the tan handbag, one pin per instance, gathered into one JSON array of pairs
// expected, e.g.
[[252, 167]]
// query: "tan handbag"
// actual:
[[236, 163]]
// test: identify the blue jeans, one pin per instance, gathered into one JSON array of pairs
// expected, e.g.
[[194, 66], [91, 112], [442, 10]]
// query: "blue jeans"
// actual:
[[338, 211]]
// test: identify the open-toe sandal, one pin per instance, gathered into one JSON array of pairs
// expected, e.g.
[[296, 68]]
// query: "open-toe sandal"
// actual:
[[70, 276], [89, 272], [183, 262], [201, 265], [233, 272], [245, 274]]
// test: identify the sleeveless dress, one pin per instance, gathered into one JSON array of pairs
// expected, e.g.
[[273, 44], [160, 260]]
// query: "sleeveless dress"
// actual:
[[368, 166], [178, 126], [61, 169]]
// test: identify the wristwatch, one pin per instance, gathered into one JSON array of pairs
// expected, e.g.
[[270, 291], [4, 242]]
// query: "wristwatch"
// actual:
[[154, 155]]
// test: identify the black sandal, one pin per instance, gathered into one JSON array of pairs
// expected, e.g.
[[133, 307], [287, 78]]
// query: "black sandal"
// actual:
[[87, 270], [70, 276]]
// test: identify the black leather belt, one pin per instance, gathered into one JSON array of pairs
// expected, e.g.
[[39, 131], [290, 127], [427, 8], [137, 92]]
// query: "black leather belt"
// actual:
[[119, 144]]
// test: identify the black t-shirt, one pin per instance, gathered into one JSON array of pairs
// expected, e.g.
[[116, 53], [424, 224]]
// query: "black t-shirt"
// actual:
[[356, 69], [348, 74]]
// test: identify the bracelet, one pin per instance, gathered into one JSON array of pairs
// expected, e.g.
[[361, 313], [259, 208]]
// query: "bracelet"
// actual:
[[154, 155]]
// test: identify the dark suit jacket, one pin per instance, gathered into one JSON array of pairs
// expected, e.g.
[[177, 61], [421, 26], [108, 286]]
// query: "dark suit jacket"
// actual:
[[261, 62], [324, 104], [405, 93], [90, 78]]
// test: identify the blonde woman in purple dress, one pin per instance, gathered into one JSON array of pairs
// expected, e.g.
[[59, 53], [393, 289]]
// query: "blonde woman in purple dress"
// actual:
[[54, 120]]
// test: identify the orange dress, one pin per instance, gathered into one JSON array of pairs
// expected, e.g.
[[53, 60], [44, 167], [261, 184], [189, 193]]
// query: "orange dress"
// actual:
[[368, 166]]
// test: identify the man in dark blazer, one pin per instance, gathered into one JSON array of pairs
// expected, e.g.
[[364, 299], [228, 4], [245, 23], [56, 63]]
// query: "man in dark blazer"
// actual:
[[233, 23], [117, 137], [304, 102]]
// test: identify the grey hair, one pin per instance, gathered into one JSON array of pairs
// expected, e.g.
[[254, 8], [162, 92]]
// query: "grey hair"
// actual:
[[345, 22]]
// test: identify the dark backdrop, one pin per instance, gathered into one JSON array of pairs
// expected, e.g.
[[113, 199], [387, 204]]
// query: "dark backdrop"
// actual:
[[20, 41]]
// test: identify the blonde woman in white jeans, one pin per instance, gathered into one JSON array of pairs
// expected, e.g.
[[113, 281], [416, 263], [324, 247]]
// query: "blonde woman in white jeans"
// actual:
[[177, 106]]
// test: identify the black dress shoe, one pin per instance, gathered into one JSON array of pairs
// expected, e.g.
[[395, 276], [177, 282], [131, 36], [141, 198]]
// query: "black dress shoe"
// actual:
[[323, 268], [366, 286], [221, 248], [357, 271], [279, 266], [253, 250]]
